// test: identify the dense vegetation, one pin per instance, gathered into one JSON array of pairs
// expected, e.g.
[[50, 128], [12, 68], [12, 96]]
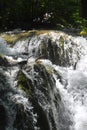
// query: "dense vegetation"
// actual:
[[42, 13]]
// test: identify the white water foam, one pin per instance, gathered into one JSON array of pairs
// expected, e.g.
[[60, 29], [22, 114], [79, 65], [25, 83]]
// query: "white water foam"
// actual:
[[75, 93]]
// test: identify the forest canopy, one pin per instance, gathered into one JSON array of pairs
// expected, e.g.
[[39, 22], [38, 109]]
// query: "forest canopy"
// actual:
[[42, 13]]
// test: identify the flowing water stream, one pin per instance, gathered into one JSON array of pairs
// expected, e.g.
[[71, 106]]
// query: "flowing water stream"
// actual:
[[55, 65], [74, 94]]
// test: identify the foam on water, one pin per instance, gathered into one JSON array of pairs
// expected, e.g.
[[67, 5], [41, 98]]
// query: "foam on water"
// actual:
[[75, 93]]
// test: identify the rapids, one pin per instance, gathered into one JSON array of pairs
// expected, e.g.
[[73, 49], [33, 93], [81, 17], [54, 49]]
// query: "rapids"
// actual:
[[43, 83]]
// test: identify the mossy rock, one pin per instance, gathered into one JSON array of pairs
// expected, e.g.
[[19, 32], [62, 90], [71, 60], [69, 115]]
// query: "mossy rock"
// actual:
[[21, 77], [61, 42], [39, 85], [84, 32], [3, 61], [23, 83], [48, 68], [14, 37]]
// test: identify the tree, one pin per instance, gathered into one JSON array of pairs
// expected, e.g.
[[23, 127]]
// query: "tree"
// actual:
[[84, 8], [33, 13]]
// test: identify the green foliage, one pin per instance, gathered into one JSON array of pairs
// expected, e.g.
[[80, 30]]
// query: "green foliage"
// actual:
[[23, 84], [30, 13], [83, 32]]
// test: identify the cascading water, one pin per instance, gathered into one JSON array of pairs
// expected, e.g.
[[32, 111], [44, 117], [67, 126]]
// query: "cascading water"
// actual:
[[43, 83], [77, 87], [74, 93]]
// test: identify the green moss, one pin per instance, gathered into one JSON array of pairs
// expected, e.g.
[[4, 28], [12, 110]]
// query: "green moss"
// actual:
[[48, 68], [1, 55], [22, 78], [84, 32], [12, 38], [23, 83], [20, 86], [61, 41]]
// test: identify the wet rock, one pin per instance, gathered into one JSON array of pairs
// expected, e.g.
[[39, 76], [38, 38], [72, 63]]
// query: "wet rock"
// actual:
[[3, 117], [3, 61], [23, 120], [39, 86], [58, 47]]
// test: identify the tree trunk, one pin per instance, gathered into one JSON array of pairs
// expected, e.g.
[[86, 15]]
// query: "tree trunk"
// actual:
[[84, 8]]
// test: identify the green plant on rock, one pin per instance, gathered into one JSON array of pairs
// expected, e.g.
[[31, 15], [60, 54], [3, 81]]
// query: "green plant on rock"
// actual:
[[61, 41], [83, 32], [23, 83], [48, 68], [20, 86], [21, 77], [12, 38]]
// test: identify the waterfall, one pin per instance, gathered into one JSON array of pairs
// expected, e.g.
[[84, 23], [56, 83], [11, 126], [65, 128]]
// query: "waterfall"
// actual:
[[43, 82], [74, 93]]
